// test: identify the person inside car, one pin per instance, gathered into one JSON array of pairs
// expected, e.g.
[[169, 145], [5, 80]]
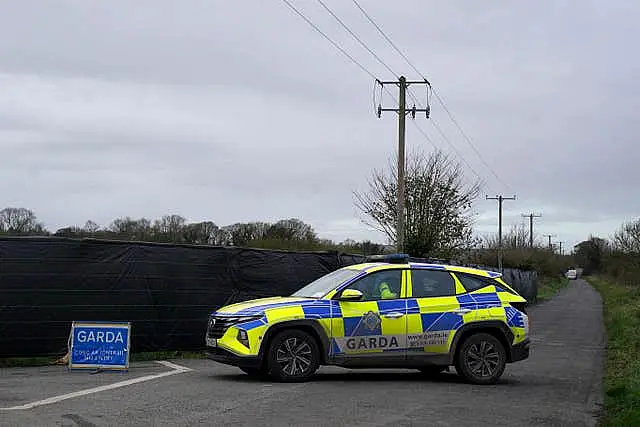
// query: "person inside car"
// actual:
[[388, 288]]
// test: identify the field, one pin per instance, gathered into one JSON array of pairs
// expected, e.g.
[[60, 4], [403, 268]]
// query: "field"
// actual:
[[622, 376]]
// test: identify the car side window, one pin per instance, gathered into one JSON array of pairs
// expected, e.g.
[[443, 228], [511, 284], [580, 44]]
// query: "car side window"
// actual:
[[472, 283], [432, 283], [379, 285]]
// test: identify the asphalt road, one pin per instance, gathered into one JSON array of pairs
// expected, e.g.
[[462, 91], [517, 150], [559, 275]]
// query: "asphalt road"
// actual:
[[559, 385]]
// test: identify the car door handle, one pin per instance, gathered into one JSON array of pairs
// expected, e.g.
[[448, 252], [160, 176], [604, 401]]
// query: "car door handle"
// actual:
[[393, 315], [463, 310]]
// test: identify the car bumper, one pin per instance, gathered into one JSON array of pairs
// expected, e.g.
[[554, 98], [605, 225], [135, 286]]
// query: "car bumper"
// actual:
[[520, 351], [228, 358]]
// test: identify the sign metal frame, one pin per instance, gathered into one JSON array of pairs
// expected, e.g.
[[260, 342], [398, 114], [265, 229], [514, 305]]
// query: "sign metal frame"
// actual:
[[74, 365]]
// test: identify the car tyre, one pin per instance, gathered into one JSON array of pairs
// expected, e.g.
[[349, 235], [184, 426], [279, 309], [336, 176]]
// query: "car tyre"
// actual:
[[482, 359], [293, 356]]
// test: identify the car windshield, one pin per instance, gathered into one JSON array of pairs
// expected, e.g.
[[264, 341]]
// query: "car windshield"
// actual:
[[321, 286]]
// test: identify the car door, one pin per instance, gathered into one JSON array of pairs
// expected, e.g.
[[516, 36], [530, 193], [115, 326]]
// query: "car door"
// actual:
[[434, 311], [374, 326]]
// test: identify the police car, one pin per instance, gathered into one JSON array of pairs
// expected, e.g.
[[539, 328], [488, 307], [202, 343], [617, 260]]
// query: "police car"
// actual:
[[434, 316]]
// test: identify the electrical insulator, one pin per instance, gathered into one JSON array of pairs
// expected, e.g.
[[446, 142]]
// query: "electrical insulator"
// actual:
[[379, 110], [428, 111], [413, 112]]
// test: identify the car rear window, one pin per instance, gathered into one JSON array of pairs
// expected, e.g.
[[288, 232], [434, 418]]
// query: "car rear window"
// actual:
[[473, 283]]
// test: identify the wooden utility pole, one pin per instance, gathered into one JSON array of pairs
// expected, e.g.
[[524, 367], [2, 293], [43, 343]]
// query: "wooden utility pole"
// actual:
[[531, 216], [550, 236], [402, 111], [500, 199]]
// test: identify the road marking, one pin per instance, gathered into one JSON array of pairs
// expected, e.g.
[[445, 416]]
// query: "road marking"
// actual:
[[175, 369]]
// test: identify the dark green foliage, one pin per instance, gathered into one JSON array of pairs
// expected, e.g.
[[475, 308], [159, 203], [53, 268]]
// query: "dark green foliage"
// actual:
[[590, 254], [285, 234], [622, 376]]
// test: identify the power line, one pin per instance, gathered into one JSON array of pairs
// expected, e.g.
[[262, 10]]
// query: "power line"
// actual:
[[397, 49], [402, 111], [337, 46], [455, 122], [444, 137], [328, 38], [387, 38], [358, 39], [364, 45], [448, 141]]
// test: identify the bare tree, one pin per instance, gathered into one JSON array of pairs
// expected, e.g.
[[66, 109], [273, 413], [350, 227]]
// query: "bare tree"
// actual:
[[205, 233], [243, 233], [19, 221], [627, 238], [438, 216], [131, 229], [170, 228], [90, 227], [516, 238]]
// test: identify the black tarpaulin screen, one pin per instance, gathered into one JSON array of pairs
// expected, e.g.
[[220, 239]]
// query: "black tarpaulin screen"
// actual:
[[166, 291]]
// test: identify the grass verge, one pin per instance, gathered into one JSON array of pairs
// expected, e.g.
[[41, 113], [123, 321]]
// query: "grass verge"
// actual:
[[18, 362], [549, 286], [622, 374]]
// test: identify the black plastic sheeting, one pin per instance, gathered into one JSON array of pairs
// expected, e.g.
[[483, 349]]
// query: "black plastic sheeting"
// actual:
[[166, 291]]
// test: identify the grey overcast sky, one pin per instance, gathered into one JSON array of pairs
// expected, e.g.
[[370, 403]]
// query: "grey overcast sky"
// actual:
[[239, 111]]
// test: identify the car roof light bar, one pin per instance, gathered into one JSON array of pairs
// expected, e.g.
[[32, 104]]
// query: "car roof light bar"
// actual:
[[391, 258]]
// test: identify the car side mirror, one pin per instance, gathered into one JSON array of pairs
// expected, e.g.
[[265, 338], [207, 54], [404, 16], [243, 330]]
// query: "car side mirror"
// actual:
[[350, 295]]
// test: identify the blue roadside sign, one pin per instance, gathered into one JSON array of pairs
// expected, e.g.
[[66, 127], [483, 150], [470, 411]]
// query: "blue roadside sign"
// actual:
[[103, 345]]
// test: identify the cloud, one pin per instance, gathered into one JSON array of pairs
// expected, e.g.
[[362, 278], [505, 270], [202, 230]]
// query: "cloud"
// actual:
[[234, 114]]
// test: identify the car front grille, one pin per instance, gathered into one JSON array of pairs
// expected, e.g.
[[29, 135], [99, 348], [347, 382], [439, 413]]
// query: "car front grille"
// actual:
[[218, 326]]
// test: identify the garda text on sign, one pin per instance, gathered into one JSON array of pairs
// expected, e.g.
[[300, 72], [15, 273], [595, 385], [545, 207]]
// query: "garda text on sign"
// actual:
[[100, 345]]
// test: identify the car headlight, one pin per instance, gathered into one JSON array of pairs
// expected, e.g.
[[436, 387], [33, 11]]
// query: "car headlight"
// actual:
[[218, 324], [243, 319], [234, 320]]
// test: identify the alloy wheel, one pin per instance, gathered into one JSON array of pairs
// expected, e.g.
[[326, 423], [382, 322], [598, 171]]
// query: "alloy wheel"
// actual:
[[294, 356], [483, 359]]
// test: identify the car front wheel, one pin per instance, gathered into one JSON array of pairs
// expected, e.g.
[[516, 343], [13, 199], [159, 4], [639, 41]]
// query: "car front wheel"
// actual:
[[293, 356], [481, 359]]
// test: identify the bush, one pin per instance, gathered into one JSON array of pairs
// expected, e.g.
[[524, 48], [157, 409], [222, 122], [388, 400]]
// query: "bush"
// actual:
[[623, 268], [542, 261]]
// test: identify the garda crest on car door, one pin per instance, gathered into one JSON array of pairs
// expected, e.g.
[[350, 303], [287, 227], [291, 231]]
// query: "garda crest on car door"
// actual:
[[376, 325]]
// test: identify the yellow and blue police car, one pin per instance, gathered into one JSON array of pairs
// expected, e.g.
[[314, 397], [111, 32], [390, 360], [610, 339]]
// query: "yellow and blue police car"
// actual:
[[388, 313]]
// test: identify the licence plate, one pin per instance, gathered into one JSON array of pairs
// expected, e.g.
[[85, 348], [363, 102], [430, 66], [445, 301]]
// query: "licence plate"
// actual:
[[212, 342]]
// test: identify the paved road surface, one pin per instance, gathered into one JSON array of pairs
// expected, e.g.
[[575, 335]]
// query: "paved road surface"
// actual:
[[560, 385]]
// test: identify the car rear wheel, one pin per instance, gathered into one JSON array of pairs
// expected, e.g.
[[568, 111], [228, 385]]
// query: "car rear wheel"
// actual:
[[293, 356], [481, 359]]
